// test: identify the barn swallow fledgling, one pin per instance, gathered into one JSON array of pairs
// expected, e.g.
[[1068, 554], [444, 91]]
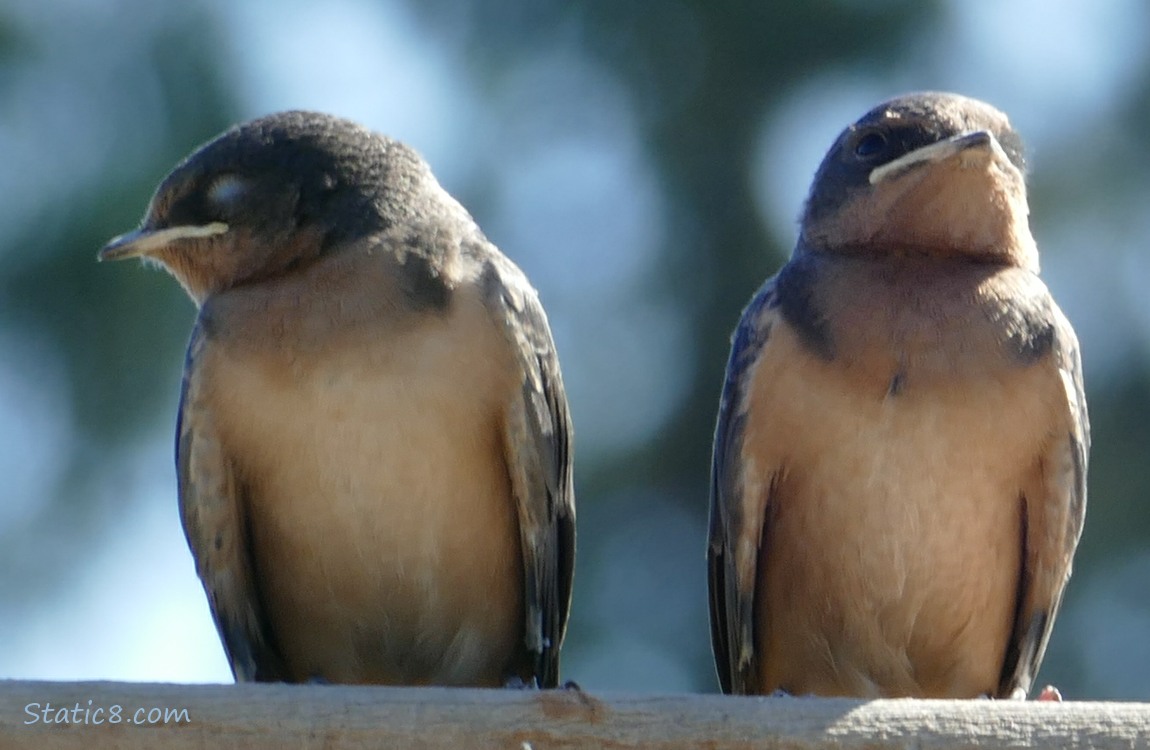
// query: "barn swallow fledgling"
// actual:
[[899, 469], [374, 448]]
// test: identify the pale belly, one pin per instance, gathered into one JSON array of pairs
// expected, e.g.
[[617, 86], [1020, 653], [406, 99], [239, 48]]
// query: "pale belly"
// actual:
[[893, 535], [383, 529]]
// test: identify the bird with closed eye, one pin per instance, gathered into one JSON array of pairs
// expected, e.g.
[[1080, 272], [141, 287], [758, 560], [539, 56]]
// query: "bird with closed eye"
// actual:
[[374, 444]]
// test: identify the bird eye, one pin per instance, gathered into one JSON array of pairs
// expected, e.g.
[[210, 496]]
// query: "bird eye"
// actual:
[[870, 145], [226, 189]]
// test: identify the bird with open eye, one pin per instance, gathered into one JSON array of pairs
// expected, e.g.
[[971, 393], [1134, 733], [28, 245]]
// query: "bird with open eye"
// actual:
[[899, 466], [374, 445]]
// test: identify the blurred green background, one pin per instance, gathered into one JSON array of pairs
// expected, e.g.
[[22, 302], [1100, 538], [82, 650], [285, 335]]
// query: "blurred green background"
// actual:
[[644, 163]]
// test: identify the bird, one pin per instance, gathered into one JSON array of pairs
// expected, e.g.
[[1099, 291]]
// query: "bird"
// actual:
[[374, 445], [898, 478]]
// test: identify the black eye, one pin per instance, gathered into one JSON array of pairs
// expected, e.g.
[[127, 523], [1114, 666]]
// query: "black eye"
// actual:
[[870, 145]]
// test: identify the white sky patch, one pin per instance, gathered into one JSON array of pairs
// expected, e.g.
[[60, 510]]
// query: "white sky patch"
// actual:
[[1108, 309], [1047, 65], [77, 108], [370, 62], [1113, 650], [577, 206], [144, 614], [647, 609], [35, 426]]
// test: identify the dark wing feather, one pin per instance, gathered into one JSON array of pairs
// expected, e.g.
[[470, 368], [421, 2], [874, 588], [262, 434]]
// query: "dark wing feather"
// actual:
[[537, 440], [1053, 517], [212, 507], [731, 593]]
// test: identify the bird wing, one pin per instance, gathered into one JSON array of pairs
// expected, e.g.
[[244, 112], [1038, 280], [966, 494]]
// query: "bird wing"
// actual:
[[213, 510], [537, 440], [1054, 506], [736, 519]]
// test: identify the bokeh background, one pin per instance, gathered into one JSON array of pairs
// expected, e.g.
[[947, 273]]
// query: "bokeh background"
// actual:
[[644, 162]]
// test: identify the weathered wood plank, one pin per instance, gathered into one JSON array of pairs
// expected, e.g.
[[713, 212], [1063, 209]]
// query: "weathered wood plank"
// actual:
[[80, 716]]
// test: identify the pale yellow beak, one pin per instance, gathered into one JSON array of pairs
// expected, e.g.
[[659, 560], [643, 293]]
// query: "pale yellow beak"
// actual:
[[981, 140], [144, 242]]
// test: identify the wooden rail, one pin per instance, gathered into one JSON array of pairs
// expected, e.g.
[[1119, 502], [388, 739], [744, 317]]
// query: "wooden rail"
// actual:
[[96, 715]]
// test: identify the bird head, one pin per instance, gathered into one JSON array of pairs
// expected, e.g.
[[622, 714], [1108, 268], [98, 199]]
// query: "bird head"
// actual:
[[927, 173], [269, 196]]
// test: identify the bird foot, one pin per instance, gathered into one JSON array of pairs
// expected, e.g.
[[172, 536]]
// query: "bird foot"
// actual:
[[515, 682]]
